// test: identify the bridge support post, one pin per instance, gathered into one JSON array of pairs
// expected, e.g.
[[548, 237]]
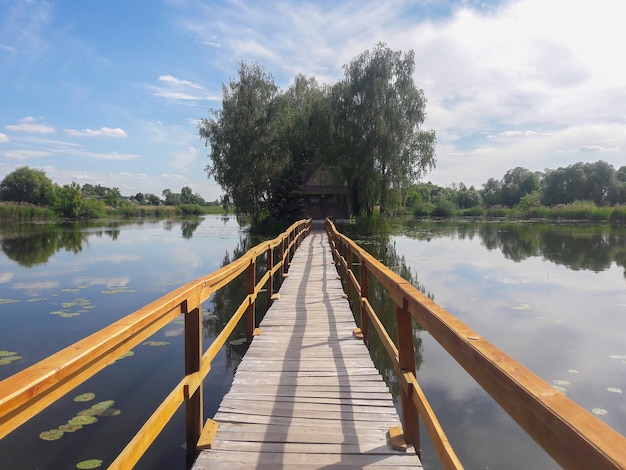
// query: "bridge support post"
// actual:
[[193, 358], [406, 359], [250, 286]]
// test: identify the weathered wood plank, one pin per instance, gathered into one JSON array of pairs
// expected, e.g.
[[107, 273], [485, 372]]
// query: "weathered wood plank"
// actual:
[[306, 394]]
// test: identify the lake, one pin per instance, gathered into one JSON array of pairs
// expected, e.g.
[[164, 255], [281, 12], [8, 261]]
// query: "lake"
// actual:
[[551, 296]]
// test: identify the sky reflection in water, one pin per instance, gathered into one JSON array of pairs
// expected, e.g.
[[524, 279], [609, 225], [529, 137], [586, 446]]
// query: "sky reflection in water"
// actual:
[[564, 324]]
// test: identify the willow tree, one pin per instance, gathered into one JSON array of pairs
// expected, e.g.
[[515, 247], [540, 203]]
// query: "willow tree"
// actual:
[[380, 112], [244, 139]]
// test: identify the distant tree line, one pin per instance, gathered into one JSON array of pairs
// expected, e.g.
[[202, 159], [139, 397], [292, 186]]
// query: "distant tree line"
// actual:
[[598, 184], [32, 186], [368, 126]]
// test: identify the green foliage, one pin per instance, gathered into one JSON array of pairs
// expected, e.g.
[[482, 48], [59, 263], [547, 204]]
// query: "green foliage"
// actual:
[[379, 116], [443, 208], [24, 211], [69, 200], [27, 185], [618, 214], [93, 209], [247, 150], [286, 204], [189, 209]]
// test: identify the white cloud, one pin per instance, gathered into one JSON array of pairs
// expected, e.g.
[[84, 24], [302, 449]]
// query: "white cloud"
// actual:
[[176, 89], [177, 178], [31, 125], [26, 154], [102, 132], [103, 155], [3, 138]]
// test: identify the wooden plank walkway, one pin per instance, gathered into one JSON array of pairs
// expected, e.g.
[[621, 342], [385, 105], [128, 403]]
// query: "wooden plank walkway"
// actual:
[[307, 394]]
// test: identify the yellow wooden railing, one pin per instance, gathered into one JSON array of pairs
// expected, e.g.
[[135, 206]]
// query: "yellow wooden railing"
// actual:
[[575, 438], [28, 392]]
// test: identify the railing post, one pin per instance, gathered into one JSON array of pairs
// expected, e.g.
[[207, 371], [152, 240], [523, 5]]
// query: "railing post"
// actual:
[[250, 285], [365, 321], [349, 285], [406, 360], [270, 266], [283, 264], [193, 358]]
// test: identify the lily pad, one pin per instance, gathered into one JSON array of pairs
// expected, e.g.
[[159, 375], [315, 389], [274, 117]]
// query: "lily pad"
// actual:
[[614, 389], [156, 343], [7, 353], [88, 412], [51, 435], [85, 397], [83, 420], [110, 412], [70, 427], [7, 360], [237, 342], [8, 301], [89, 464], [103, 405], [599, 411]]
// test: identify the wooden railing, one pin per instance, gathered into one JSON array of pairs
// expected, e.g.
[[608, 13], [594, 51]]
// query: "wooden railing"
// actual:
[[28, 392], [575, 438]]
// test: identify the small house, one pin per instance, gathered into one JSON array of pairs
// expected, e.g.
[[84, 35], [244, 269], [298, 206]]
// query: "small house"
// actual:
[[324, 192]]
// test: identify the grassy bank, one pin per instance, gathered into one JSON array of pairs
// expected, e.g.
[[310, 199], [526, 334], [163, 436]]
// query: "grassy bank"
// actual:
[[11, 211]]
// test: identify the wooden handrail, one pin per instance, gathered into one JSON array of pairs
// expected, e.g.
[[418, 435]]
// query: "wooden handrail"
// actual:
[[574, 437], [28, 392]]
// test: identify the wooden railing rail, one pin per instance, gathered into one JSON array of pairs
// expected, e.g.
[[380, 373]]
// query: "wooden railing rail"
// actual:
[[28, 392], [574, 437]]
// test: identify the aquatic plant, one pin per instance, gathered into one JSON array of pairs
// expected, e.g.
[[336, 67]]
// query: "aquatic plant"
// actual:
[[6, 357], [85, 397], [52, 435], [83, 420], [89, 464], [155, 343], [103, 405]]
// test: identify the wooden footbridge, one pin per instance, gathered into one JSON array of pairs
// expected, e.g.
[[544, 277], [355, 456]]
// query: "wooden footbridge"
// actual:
[[306, 394]]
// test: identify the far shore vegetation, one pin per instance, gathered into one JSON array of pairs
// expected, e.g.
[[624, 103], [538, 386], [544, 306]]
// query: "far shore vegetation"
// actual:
[[28, 194]]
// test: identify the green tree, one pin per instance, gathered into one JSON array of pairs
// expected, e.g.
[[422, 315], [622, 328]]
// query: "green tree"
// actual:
[[186, 195], [113, 197], [27, 185], [244, 138], [380, 112], [69, 200]]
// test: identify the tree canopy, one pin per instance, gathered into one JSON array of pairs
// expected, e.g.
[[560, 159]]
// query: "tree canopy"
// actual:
[[368, 126], [27, 185]]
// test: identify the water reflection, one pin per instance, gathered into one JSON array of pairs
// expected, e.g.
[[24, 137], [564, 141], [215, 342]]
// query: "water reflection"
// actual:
[[592, 248], [33, 244], [224, 302]]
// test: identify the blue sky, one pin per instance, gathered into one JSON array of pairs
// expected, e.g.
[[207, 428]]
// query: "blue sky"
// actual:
[[110, 92]]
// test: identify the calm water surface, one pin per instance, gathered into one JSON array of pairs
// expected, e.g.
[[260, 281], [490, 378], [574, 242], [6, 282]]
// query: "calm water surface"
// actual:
[[551, 296]]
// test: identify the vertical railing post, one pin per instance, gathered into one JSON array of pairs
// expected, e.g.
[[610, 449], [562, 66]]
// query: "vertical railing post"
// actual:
[[270, 266], [193, 358], [283, 264], [365, 321], [250, 285], [349, 285], [406, 359]]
